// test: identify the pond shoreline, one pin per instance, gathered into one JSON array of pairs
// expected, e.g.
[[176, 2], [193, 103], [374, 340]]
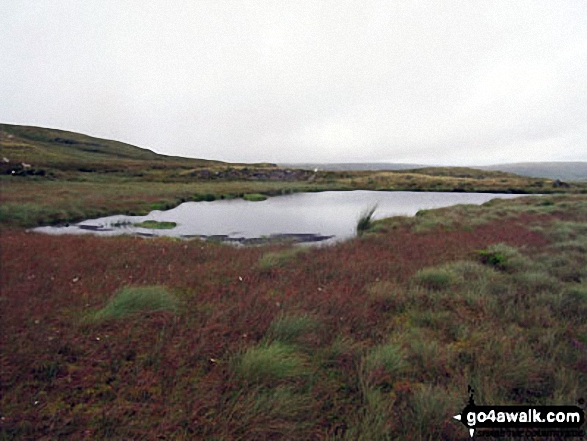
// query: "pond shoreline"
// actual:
[[296, 218]]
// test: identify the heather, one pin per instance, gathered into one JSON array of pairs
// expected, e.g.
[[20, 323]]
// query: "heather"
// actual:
[[374, 338]]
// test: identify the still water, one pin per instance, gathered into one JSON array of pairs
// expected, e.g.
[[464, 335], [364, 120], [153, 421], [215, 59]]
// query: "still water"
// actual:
[[305, 217]]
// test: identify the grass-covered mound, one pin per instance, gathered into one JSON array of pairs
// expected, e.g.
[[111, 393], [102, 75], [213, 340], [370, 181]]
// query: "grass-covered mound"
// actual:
[[137, 300], [254, 197], [156, 225]]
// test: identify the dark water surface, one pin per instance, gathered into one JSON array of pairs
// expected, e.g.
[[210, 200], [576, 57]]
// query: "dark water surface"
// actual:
[[305, 217]]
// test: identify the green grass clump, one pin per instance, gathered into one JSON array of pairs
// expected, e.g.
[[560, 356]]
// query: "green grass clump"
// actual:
[[503, 258], [365, 220], [434, 278], [566, 230], [574, 303], [29, 214], [383, 362], [290, 328], [271, 413], [536, 281], [271, 362], [428, 407], [208, 197], [133, 300], [374, 421], [386, 296], [254, 197], [579, 245], [156, 225], [277, 259]]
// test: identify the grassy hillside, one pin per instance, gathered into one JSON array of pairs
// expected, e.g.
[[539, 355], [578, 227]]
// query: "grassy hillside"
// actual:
[[353, 166], [57, 148], [567, 171]]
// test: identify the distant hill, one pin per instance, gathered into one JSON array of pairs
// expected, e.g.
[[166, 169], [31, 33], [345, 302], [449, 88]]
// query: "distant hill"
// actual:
[[566, 171], [61, 149], [352, 166]]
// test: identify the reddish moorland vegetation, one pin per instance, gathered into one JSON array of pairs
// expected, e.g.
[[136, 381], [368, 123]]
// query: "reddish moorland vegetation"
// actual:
[[182, 375]]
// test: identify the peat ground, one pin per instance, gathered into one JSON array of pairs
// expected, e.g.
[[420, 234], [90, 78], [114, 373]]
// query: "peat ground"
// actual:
[[375, 338]]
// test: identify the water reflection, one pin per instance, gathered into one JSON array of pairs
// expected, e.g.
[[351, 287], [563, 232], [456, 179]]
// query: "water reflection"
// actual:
[[305, 217]]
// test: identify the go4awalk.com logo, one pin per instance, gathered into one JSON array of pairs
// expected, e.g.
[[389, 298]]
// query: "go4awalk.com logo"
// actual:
[[495, 421]]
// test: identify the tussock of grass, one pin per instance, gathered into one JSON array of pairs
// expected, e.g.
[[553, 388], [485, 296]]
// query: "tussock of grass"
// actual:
[[133, 300], [365, 220], [434, 278], [276, 413], [387, 296], [342, 351], [374, 421], [271, 362], [503, 258], [383, 364], [536, 281], [579, 244], [208, 197], [254, 197], [277, 259], [574, 303], [436, 320], [428, 410], [567, 230], [156, 225], [466, 270], [291, 328], [570, 267], [431, 223], [428, 357]]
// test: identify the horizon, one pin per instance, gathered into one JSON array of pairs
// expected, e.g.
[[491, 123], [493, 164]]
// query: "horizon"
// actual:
[[288, 163], [452, 84]]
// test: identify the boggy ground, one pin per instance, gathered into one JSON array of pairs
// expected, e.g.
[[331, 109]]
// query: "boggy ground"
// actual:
[[375, 338]]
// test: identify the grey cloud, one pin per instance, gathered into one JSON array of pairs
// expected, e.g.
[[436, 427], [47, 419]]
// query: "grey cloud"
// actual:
[[452, 82]]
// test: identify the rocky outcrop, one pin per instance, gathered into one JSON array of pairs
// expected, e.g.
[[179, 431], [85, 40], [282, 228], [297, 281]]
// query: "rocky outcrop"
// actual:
[[252, 174], [560, 184]]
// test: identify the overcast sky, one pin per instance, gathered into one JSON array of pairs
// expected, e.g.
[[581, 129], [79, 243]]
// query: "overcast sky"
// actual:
[[438, 82]]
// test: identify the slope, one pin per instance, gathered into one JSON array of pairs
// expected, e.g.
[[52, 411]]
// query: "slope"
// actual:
[[60, 149]]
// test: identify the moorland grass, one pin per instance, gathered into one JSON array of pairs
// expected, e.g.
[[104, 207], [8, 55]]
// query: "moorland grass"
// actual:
[[365, 220], [434, 278], [387, 296], [292, 328], [29, 202], [350, 342], [156, 225], [134, 300], [383, 360], [503, 257], [281, 412], [270, 363], [74, 196], [254, 197], [277, 259]]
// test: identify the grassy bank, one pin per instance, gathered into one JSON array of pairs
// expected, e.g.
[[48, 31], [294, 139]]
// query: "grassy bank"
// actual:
[[28, 201], [375, 338]]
